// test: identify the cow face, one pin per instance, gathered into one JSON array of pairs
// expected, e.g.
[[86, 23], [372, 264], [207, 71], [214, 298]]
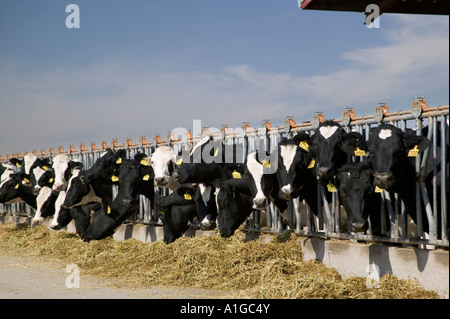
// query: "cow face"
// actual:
[[234, 204], [164, 167], [175, 211], [24, 164], [261, 180], [135, 177], [45, 205], [78, 191], [355, 182], [10, 187], [331, 145], [46, 179], [63, 166], [389, 150], [293, 162], [105, 166]]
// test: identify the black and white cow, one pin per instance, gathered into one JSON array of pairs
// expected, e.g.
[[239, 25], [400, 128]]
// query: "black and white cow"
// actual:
[[13, 190], [105, 167], [332, 145], [263, 182], [234, 202], [394, 170], [24, 164], [296, 171], [163, 162], [63, 166], [135, 178], [355, 182], [176, 212]]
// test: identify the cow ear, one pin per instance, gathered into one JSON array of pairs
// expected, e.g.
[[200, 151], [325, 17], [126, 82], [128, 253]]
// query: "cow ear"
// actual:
[[303, 140], [354, 142], [120, 156], [16, 162], [75, 165], [140, 156], [412, 141]]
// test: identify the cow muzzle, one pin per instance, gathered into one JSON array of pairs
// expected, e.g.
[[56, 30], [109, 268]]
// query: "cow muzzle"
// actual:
[[384, 180], [260, 203], [161, 181], [127, 201]]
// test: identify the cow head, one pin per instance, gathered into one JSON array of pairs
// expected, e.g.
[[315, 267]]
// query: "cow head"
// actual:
[[234, 203], [105, 166], [294, 160], [63, 166], [25, 163], [77, 190], [135, 175], [45, 205], [390, 149], [10, 186], [331, 145], [261, 178], [355, 183], [164, 166]]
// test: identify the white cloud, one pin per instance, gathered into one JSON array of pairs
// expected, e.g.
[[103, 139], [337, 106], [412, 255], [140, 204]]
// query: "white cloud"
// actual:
[[112, 100]]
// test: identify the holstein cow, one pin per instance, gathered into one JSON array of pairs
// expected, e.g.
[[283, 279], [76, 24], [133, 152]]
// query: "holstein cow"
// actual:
[[24, 164], [296, 172], [63, 166], [332, 145], [163, 162], [355, 182], [135, 178], [234, 202], [391, 150], [176, 212], [105, 167], [13, 190], [263, 182], [210, 160]]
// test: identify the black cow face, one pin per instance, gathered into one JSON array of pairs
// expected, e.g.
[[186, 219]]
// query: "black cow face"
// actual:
[[331, 146], [355, 182], [104, 168], [390, 149], [78, 188], [135, 177], [234, 203]]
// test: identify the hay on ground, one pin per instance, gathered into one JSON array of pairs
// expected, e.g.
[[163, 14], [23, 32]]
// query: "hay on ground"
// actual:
[[247, 269]]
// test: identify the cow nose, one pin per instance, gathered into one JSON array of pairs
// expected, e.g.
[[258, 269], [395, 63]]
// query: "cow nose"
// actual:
[[360, 226], [160, 181], [36, 190], [383, 180], [127, 201], [286, 192], [260, 203], [323, 170]]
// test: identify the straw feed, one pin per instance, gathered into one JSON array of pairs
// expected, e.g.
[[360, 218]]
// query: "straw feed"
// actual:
[[247, 269]]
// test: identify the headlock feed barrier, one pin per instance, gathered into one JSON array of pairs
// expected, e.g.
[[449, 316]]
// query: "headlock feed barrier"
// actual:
[[331, 220]]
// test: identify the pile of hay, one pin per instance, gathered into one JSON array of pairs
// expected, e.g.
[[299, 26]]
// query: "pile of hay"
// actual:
[[247, 269]]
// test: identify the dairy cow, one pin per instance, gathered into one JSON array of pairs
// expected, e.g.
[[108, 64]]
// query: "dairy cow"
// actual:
[[176, 212], [331, 146], [163, 162], [13, 190], [63, 166]]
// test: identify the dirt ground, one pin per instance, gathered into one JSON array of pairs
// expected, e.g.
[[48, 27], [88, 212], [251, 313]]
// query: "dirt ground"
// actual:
[[32, 277]]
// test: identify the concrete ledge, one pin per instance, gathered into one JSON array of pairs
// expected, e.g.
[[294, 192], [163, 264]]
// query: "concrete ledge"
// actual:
[[429, 267]]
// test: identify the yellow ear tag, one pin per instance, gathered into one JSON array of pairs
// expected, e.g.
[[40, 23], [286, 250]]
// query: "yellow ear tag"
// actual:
[[114, 178], [45, 168], [119, 160], [18, 165], [146, 177], [216, 152], [161, 212], [179, 162], [360, 152], [17, 186], [413, 152], [144, 162], [50, 180], [378, 190], [266, 163], [304, 145], [108, 210], [187, 196], [26, 180], [331, 188], [236, 174], [312, 163]]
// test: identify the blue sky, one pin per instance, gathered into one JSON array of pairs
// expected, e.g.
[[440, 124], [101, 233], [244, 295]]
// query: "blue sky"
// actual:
[[137, 68]]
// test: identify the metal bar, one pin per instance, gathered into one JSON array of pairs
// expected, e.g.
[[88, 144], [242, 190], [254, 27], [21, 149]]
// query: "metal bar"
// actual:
[[444, 179]]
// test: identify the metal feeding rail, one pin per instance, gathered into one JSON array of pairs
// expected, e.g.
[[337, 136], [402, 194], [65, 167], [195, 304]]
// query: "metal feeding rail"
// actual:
[[331, 220]]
